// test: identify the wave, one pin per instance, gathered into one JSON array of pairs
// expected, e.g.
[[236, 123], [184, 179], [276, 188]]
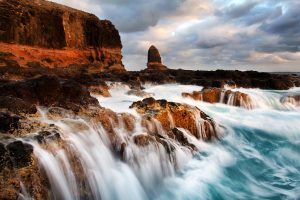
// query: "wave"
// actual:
[[256, 158]]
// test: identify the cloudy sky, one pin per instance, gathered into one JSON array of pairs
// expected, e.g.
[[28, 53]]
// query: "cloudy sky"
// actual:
[[260, 35]]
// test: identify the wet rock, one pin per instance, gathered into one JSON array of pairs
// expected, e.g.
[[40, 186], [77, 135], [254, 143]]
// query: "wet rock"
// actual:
[[8, 122], [20, 153], [3, 156], [154, 60], [196, 95], [94, 84], [211, 95], [291, 99], [32, 178], [100, 90], [49, 91], [180, 137], [166, 144], [128, 121], [143, 140], [43, 136], [172, 115], [16, 105], [139, 93], [109, 121], [218, 95]]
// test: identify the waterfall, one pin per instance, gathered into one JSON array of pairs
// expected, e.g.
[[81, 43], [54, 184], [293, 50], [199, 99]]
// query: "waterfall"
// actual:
[[86, 163], [84, 160]]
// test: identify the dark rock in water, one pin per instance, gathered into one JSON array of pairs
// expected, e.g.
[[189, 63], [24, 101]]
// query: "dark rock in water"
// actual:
[[16, 105], [8, 123], [218, 95], [49, 91], [3, 155], [219, 78], [154, 60], [42, 136], [94, 84], [19, 167], [20, 153], [182, 138], [291, 99]]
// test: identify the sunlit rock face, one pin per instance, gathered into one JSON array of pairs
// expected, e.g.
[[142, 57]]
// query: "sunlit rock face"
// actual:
[[291, 99], [172, 115], [64, 141], [43, 33], [154, 59], [218, 95]]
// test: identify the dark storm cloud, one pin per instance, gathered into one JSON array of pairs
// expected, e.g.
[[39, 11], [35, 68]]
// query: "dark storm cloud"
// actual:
[[287, 27], [261, 14], [235, 10], [204, 44], [137, 15]]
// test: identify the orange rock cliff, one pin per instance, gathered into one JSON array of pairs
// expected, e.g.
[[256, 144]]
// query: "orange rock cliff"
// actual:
[[52, 35]]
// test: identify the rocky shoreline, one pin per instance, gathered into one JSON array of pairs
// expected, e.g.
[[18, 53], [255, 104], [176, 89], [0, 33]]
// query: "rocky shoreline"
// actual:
[[59, 71]]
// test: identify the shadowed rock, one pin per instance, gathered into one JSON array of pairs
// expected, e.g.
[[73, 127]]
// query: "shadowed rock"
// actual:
[[218, 95], [8, 122], [154, 60], [16, 105], [218, 78], [20, 153], [153, 55], [49, 91]]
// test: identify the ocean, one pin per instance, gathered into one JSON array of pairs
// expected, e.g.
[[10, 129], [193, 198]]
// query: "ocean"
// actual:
[[256, 156]]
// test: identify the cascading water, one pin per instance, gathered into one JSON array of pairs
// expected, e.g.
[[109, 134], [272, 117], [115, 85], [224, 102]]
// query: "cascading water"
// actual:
[[256, 158]]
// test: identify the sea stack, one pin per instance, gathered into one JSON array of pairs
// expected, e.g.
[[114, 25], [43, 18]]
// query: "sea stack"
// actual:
[[154, 60]]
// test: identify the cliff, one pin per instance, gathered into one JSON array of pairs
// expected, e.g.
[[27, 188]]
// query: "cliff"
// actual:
[[57, 36]]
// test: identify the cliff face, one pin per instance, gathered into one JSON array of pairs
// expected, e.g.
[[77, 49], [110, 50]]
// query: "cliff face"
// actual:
[[39, 25]]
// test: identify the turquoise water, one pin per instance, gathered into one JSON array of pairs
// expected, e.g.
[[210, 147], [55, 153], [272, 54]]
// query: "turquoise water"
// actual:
[[258, 156]]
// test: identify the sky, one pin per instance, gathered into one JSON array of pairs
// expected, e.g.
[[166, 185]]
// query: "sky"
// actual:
[[262, 35]]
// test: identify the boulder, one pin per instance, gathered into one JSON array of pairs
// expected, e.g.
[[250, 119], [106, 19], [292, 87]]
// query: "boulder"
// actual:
[[8, 122], [218, 95], [20, 153], [172, 115]]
